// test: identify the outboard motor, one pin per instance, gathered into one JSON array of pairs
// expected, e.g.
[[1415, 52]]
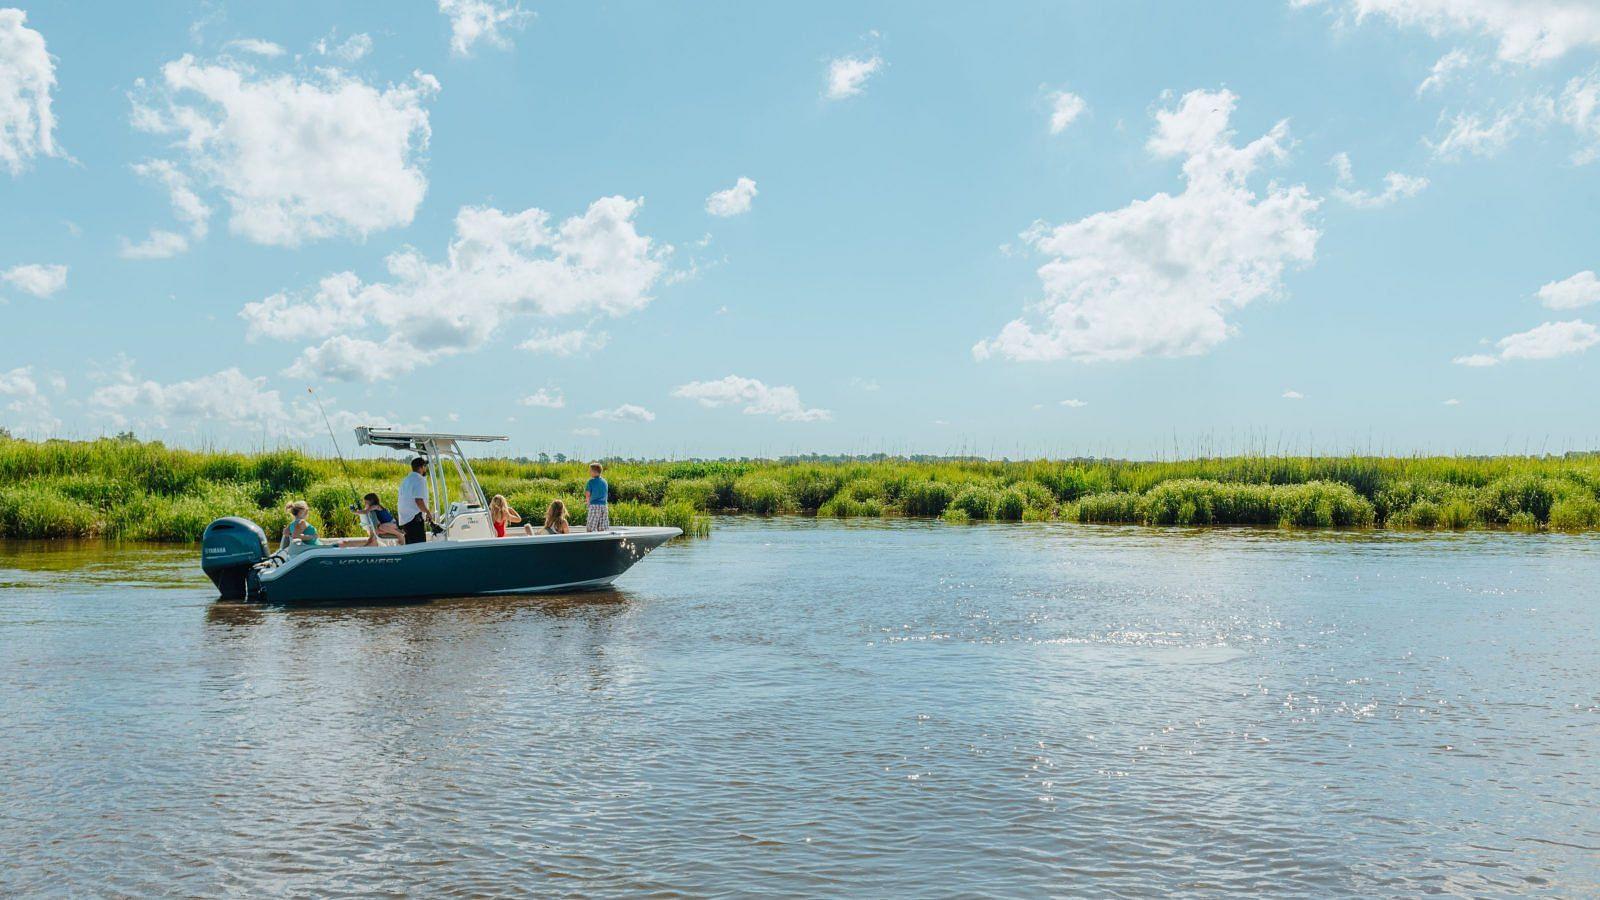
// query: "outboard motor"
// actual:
[[229, 548]]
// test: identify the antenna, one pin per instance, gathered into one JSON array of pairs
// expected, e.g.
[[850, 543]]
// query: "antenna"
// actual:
[[343, 466]]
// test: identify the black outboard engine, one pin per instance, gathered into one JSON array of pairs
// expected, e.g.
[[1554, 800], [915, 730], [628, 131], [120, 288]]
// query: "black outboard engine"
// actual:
[[229, 548]]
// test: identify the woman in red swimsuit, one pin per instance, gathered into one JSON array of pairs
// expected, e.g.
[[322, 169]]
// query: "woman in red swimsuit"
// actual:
[[500, 512]]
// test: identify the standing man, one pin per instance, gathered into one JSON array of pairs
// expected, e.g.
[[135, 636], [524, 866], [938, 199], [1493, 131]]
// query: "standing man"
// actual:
[[413, 511], [599, 518]]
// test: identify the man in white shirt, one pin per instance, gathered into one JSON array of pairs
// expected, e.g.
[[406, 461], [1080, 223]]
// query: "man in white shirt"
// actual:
[[412, 509]]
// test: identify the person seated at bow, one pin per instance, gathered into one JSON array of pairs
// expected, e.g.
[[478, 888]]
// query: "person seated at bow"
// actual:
[[555, 519]]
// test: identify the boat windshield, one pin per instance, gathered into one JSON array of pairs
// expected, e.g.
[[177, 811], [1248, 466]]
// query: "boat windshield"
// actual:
[[453, 482]]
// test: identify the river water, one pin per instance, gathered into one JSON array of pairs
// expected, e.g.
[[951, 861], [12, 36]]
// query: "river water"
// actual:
[[812, 708]]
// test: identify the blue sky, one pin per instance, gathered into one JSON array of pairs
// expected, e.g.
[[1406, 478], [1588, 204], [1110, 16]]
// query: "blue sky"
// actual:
[[657, 229]]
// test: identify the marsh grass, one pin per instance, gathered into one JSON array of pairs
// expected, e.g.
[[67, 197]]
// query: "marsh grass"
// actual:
[[762, 494], [926, 498], [843, 507], [133, 490], [147, 491], [1575, 513]]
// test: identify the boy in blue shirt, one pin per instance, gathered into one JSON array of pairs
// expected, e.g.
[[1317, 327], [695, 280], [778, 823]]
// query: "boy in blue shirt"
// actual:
[[599, 518]]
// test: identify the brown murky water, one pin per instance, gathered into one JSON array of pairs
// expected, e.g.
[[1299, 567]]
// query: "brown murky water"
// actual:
[[808, 708]]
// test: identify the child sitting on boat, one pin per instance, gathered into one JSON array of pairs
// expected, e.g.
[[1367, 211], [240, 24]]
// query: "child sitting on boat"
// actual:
[[379, 523], [555, 519]]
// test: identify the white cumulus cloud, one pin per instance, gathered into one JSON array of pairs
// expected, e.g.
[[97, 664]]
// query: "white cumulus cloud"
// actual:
[[734, 200], [284, 316], [186, 204], [227, 402], [847, 75], [1444, 70], [161, 244], [27, 409], [344, 358], [255, 46], [499, 267], [19, 382], [1525, 31], [1580, 109], [294, 159], [1547, 341], [228, 397], [1293, 395], [1161, 276], [545, 398], [1065, 108], [1532, 33], [1075, 403], [755, 398], [350, 50], [1485, 135], [1550, 340], [576, 342], [27, 126], [488, 21], [1396, 186], [627, 412], [38, 279], [1581, 289]]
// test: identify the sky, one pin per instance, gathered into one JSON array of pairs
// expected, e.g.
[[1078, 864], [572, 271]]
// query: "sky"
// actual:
[[728, 229]]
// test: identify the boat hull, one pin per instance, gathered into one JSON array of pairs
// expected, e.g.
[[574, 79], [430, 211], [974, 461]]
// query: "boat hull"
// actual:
[[509, 565]]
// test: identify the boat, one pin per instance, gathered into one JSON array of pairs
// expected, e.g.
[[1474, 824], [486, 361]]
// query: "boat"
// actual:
[[461, 558]]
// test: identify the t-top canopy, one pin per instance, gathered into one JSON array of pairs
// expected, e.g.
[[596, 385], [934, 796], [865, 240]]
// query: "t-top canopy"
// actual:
[[413, 440]]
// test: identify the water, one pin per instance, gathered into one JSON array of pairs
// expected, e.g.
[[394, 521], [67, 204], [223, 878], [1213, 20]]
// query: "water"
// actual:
[[809, 708]]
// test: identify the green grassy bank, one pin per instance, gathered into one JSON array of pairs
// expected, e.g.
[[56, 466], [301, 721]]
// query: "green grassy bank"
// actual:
[[146, 491]]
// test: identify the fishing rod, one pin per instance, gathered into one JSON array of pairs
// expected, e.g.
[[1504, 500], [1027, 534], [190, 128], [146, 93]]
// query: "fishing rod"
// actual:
[[343, 466]]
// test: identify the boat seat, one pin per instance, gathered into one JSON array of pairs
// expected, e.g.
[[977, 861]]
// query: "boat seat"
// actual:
[[382, 542]]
